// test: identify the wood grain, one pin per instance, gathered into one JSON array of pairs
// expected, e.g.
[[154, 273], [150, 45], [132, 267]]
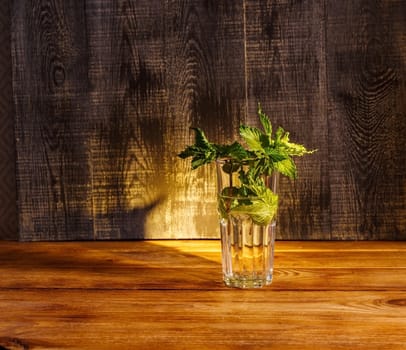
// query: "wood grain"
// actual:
[[204, 60], [50, 70], [106, 92], [146, 294], [173, 71], [111, 108], [144, 265], [8, 208], [286, 74], [367, 123], [202, 319]]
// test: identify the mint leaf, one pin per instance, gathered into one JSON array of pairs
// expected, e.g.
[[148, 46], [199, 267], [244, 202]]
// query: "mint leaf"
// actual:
[[262, 210], [252, 136], [266, 123], [283, 144], [235, 150], [201, 139], [286, 167], [202, 152], [265, 154]]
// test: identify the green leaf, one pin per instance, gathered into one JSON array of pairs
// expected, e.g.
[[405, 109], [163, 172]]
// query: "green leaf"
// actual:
[[202, 152], [266, 123], [276, 155], [295, 149], [199, 161], [235, 150], [264, 153], [286, 167], [284, 145], [262, 210], [201, 139], [278, 135], [187, 152], [252, 136]]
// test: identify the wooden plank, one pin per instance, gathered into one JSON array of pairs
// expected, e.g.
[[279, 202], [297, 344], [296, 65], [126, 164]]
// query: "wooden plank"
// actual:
[[213, 246], [286, 74], [366, 51], [8, 208], [175, 265], [206, 79], [129, 107], [105, 93], [50, 86], [174, 69], [107, 295], [109, 106], [202, 277], [230, 319]]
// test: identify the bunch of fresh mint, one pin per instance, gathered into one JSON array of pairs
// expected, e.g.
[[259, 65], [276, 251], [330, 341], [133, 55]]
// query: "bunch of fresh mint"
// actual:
[[265, 153]]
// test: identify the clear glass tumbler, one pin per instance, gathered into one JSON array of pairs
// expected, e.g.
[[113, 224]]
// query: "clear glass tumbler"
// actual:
[[247, 246]]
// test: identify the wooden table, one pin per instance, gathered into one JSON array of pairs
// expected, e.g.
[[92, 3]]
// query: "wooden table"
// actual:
[[169, 295]]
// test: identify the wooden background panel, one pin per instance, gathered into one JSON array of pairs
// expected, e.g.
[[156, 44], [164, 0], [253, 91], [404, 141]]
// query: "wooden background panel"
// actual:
[[206, 89], [366, 55], [8, 206], [153, 70], [126, 74], [174, 68], [50, 81], [106, 91], [286, 73]]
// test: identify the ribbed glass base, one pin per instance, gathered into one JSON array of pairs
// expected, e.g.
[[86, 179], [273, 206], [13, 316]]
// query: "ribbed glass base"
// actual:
[[238, 281], [247, 252]]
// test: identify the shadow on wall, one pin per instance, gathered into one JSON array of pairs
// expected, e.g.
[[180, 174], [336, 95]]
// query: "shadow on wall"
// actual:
[[125, 223]]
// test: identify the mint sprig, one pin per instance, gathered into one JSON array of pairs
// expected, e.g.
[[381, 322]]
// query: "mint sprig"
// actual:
[[265, 153]]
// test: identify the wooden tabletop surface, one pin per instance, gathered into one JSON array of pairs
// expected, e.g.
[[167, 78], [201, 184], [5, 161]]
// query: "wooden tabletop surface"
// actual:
[[170, 295]]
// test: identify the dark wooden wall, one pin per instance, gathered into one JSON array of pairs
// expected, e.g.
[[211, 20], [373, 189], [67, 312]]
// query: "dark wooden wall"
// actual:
[[105, 93], [8, 203]]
